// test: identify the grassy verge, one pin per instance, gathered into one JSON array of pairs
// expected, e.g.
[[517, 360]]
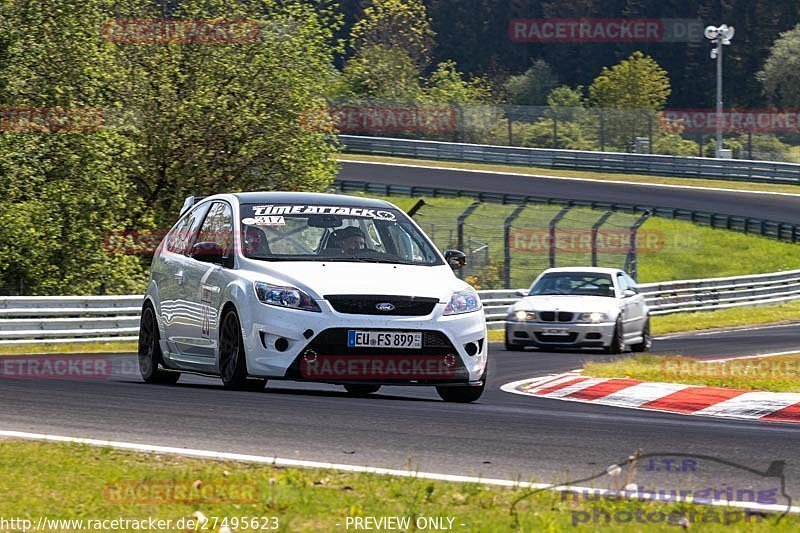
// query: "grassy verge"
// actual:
[[777, 374], [632, 178], [673, 249], [68, 348], [63, 481]]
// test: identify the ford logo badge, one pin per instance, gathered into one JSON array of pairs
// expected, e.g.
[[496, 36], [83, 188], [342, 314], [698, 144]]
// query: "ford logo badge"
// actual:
[[385, 307]]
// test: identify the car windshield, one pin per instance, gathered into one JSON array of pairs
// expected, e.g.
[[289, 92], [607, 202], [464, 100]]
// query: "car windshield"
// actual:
[[573, 284], [299, 232]]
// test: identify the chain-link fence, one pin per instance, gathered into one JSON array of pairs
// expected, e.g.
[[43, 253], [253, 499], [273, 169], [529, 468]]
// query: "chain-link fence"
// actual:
[[755, 134]]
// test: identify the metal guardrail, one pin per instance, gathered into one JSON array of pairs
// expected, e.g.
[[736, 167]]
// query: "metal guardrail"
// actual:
[[46, 319], [664, 165]]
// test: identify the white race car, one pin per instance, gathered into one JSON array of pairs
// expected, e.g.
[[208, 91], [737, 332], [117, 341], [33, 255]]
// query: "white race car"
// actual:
[[580, 308], [313, 287]]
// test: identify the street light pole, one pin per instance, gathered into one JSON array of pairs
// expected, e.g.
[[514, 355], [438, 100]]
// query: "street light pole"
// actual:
[[719, 99], [720, 36]]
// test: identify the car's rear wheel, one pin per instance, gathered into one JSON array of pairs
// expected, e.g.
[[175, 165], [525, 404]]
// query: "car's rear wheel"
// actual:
[[617, 345], [232, 362], [647, 339], [361, 390], [149, 352]]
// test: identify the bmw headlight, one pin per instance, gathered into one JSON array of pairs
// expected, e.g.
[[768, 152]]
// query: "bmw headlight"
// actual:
[[594, 318], [285, 297], [523, 316], [464, 301]]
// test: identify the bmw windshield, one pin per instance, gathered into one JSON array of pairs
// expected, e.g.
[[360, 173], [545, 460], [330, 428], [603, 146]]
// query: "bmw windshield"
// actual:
[[295, 232], [573, 284]]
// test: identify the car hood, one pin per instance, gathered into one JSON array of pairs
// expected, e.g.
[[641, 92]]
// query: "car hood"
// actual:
[[320, 279], [577, 304]]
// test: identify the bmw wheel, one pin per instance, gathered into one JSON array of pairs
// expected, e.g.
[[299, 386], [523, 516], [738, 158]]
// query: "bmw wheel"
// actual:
[[232, 362], [647, 339], [617, 345], [149, 352]]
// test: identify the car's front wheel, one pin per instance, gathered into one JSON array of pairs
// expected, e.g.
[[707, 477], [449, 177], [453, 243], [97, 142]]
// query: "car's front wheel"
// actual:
[[149, 352], [361, 390], [617, 345], [232, 362], [460, 394], [647, 339]]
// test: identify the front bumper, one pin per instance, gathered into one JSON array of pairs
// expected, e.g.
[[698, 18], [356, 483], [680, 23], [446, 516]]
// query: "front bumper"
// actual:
[[579, 335], [287, 343]]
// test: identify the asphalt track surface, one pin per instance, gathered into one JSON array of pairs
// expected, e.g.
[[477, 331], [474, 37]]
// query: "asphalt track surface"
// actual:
[[501, 436], [780, 208]]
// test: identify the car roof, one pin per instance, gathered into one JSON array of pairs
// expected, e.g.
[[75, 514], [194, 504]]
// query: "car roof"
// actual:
[[591, 270], [280, 197]]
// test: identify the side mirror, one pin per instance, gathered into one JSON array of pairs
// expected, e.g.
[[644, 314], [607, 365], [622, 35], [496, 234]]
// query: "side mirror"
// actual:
[[521, 292], [627, 293], [455, 258], [208, 252]]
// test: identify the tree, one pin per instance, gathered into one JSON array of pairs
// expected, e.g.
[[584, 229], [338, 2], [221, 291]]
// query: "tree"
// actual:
[[402, 24], [635, 83], [447, 85], [781, 72], [179, 119], [532, 87], [381, 72]]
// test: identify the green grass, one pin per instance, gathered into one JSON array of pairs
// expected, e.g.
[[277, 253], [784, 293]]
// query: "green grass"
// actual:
[[68, 348], [776, 374], [67, 481], [633, 178], [741, 316], [679, 249]]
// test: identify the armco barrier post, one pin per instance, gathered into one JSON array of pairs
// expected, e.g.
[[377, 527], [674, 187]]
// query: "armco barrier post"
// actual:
[[595, 228], [555, 220], [507, 244]]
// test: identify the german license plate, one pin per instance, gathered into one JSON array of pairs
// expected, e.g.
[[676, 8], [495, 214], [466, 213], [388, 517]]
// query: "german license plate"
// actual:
[[384, 339], [556, 332]]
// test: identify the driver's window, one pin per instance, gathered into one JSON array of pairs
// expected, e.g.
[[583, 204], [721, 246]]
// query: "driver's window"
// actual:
[[218, 227], [623, 284]]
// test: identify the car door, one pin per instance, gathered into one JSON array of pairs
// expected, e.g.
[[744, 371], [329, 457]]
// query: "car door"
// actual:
[[204, 283], [169, 276], [632, 305]]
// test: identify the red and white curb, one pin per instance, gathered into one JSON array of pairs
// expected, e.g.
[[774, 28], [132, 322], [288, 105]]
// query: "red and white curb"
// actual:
[[664, 397]]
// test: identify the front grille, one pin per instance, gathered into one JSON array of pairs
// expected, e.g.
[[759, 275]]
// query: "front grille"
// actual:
[[356, 304], [559, 339], [550, 316], [333, 343]]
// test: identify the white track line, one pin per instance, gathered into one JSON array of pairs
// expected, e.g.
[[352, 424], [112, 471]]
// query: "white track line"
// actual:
[[277, 461], [565, 178]]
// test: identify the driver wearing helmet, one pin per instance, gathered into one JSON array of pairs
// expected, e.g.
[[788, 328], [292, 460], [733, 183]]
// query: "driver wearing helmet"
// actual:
[[350, 239], [563, 285]]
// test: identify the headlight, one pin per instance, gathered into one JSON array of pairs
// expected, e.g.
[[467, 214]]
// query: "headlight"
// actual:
[[465, 301], [285, 297], [523, 316], [594, 318]]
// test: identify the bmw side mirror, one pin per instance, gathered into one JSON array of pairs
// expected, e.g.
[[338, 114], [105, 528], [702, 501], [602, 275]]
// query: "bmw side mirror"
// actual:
[[208, 252], [455, 258], [627, 293]]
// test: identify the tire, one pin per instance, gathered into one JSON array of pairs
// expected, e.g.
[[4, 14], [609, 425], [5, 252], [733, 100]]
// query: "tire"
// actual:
[[460, 394], [232, 360], [361, 390], [617, 345], [149, 351], [647, 339]]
